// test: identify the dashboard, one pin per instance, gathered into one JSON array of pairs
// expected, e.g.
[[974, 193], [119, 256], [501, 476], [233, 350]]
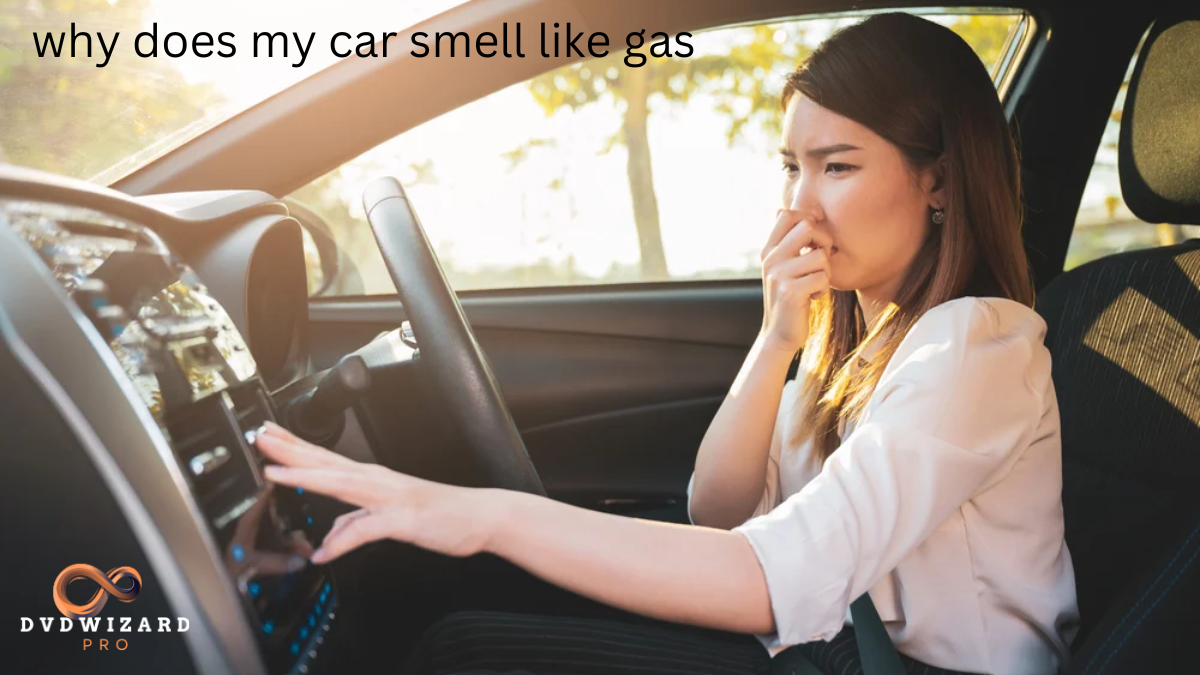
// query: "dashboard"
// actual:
[[166, 378]]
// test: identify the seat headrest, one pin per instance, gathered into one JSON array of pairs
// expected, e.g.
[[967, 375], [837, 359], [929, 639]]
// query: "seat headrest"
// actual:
[[1159, 150]]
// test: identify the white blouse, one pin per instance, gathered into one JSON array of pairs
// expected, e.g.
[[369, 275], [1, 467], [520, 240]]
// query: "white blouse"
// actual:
[[944, 500]]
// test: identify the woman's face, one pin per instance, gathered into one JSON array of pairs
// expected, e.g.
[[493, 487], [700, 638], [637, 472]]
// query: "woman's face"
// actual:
[[857, 187]]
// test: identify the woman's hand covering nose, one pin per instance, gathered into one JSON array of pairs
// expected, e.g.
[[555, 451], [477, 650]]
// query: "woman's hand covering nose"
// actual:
[[795, 264]]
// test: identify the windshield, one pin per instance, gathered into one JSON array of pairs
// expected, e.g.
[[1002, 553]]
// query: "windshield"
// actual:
[[66, 115]]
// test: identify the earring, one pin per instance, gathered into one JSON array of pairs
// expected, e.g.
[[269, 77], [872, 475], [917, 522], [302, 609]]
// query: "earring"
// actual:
[[939, 216]]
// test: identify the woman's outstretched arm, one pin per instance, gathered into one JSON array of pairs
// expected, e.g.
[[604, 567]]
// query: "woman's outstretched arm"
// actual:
[[694, 575]]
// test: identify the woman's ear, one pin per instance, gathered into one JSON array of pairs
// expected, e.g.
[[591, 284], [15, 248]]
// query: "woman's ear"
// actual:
[[934, 184]]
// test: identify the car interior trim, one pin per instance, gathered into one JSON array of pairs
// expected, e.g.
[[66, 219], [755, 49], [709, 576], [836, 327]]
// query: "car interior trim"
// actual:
[[81, 374]]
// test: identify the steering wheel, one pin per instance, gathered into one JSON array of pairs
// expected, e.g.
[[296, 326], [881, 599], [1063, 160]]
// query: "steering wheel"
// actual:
[[460, 369]]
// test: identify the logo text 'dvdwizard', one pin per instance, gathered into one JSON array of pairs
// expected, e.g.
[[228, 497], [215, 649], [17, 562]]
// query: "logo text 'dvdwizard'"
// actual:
[[86, 614]]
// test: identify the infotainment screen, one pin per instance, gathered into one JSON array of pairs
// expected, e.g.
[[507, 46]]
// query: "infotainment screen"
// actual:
[[193, 370], [264, 532]]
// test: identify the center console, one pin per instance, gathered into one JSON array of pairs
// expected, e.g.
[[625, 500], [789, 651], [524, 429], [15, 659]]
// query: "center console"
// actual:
[[195, 375]]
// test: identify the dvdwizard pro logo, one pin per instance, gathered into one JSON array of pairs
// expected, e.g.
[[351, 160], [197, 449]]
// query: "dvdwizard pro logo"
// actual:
[[108, 586], [122, 583]]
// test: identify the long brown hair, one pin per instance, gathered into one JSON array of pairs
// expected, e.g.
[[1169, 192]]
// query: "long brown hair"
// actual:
[[921, 87]]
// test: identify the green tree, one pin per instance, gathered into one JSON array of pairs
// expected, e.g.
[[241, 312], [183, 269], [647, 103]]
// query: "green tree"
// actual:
[[738, 71], [986, 33], [738, 79], [64, 114]]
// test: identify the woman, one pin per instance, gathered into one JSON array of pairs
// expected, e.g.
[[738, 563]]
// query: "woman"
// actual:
[[916, 455]]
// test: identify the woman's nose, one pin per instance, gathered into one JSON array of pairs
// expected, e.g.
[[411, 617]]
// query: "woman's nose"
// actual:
[[795, 198], [801, 198]]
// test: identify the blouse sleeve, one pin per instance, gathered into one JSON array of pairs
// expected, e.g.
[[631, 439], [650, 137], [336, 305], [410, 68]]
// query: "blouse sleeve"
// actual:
[[957, 404]]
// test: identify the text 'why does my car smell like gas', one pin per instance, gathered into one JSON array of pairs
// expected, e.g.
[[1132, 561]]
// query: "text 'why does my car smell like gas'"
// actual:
[[550, 40]]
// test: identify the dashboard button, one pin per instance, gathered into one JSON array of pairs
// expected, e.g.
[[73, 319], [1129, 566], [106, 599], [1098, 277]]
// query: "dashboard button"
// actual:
[[207, 462]]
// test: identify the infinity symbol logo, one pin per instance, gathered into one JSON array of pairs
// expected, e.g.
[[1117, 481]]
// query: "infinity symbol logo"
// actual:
[[108, 586]]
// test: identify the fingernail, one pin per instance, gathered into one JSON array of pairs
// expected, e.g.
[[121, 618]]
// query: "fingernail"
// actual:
[[271, 426], [318, 555], [273, 472]]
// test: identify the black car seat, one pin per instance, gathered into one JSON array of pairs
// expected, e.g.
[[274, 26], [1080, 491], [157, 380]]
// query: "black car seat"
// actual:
[[1124, 332]]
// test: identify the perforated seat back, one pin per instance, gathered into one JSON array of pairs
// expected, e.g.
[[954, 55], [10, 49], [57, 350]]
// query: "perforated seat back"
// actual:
[[1124, 333]]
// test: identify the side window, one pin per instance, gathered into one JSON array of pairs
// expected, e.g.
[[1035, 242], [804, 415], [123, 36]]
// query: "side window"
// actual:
[[599, 173], [1104, 224]]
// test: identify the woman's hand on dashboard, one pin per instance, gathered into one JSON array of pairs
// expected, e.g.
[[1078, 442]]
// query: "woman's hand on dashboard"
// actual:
[[695, 575], [443, 518]]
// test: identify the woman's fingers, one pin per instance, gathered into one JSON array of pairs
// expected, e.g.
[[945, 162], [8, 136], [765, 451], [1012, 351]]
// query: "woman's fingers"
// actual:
[[785, 221], [814, 285], [362, 530], [791, 245], [353, 487], [808, 287], [801, 236], [274, 430], [345, 519], [806, 263], [822, 239], [277, 431], [294, 452]]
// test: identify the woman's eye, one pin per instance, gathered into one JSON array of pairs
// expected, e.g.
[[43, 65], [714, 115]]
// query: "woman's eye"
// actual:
[[837, 168], [790, 167]]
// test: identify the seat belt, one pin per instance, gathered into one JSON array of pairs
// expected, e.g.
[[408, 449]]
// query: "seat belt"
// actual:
[[876, 652], [875, 647]]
